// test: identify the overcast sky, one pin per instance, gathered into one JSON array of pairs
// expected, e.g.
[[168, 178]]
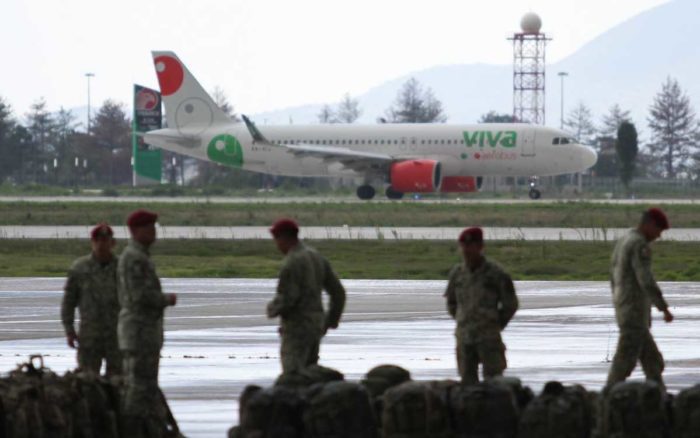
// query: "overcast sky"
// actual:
[[269, 54]]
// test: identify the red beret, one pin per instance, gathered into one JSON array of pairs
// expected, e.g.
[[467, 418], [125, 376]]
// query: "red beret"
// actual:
[[141, 217], [472, 235], [659, 218], [284, 226], [101, 230]]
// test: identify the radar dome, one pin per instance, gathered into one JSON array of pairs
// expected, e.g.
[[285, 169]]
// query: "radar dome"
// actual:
[[531, 23]]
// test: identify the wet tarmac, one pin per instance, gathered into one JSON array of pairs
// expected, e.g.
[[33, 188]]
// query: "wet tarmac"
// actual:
[[349, 233], [218, 341]]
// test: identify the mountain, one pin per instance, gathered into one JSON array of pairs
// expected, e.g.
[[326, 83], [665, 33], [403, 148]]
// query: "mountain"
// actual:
[[625, 65]]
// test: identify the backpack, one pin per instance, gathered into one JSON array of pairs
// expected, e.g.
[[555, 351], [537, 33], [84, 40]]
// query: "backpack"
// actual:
[[379, 379], [486, 409], [309, 376], [338, 410], [274, 412], [686, 413], [559, 412], [634, 409], [417, 409]]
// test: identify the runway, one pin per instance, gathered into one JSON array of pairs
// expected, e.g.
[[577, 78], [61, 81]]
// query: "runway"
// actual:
[[348, 233], [270, 198], [218, 340]]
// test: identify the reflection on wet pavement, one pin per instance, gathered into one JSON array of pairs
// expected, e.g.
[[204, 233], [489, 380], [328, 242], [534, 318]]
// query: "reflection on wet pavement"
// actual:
[[218, 339]]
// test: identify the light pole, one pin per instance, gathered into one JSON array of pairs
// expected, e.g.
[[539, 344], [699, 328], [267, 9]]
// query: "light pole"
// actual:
[[88, 76], [562, 75]]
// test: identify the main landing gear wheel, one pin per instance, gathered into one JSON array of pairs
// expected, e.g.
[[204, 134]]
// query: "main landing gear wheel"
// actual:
[[365, 192], [393, 194], [535, 194]]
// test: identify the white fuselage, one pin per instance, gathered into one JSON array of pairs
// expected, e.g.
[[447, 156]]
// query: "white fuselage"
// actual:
[[462, 150]]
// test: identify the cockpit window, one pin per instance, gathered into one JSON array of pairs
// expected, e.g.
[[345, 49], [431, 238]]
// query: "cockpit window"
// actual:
[[564, 140], [556, 140]]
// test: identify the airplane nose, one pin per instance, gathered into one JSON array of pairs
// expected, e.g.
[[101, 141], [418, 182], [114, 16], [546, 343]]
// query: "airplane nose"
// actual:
[[588, 157]]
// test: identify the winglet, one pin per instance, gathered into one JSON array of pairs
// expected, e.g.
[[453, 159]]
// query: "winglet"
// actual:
[[254, 132]]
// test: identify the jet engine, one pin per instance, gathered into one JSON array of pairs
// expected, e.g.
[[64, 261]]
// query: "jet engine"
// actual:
[[460, 184], [416, 176]]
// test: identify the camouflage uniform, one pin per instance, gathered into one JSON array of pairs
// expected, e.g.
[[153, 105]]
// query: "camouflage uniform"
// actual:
[[92, 288], [141, 335], [634, 291], [482, 302], [304, 274]]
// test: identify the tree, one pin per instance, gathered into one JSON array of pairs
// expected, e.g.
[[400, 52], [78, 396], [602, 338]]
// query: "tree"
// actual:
[[326, 115], [64, 152], [221, 100], [7, 144], [674, 128], [494, 117], [41, 127], [414, 105], [348, 110], [111, 131], [611, 122], [580, 123], [626, 147]]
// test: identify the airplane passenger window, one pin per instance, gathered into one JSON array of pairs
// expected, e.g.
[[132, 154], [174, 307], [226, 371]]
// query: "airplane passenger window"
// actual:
[[449, 141], [442, 141]]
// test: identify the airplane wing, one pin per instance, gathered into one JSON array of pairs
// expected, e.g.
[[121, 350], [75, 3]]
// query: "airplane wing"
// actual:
[[359, 161]]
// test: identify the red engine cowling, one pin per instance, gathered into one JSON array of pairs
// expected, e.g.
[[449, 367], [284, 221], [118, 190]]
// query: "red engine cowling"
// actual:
[[460, 184], [416, 176]]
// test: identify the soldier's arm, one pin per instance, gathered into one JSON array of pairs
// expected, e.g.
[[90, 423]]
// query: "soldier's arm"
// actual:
[[450, 293], [641, 263], [144, 286], [336, 292], [509, 301], [71, 296], [287, 295]]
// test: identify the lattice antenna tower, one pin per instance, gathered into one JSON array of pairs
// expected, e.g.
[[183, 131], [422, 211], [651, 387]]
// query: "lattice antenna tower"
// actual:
[[529, 71]]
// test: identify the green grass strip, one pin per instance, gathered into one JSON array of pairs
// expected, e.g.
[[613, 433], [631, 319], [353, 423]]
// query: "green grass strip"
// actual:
[[362, 259]]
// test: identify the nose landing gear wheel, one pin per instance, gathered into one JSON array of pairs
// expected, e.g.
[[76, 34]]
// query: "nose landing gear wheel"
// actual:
[[365, 192], [535, 194]]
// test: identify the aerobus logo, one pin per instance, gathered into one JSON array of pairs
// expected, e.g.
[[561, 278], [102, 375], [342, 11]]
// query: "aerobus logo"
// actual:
[[506, 139]]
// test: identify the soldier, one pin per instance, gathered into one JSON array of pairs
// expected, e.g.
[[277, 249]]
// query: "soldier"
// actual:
[[141, 329], [634, 291], [92, 288], [304, 274], [481, 298]]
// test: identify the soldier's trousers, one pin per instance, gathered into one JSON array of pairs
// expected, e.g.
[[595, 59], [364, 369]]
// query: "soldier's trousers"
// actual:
[[90, 359], [298, 350], [491, 355], [143, 409], [634, 345]]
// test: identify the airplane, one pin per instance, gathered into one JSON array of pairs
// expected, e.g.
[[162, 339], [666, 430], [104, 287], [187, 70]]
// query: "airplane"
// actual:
[[411, 158]]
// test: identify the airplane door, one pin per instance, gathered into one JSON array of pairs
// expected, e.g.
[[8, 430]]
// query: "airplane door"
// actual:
[[528, 142]]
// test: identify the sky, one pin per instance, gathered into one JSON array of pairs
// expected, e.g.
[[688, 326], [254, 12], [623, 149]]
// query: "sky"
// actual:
[[269, 54]]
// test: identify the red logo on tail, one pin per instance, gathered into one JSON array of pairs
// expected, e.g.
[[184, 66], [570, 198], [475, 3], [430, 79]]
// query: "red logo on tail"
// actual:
[[170, 74]]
